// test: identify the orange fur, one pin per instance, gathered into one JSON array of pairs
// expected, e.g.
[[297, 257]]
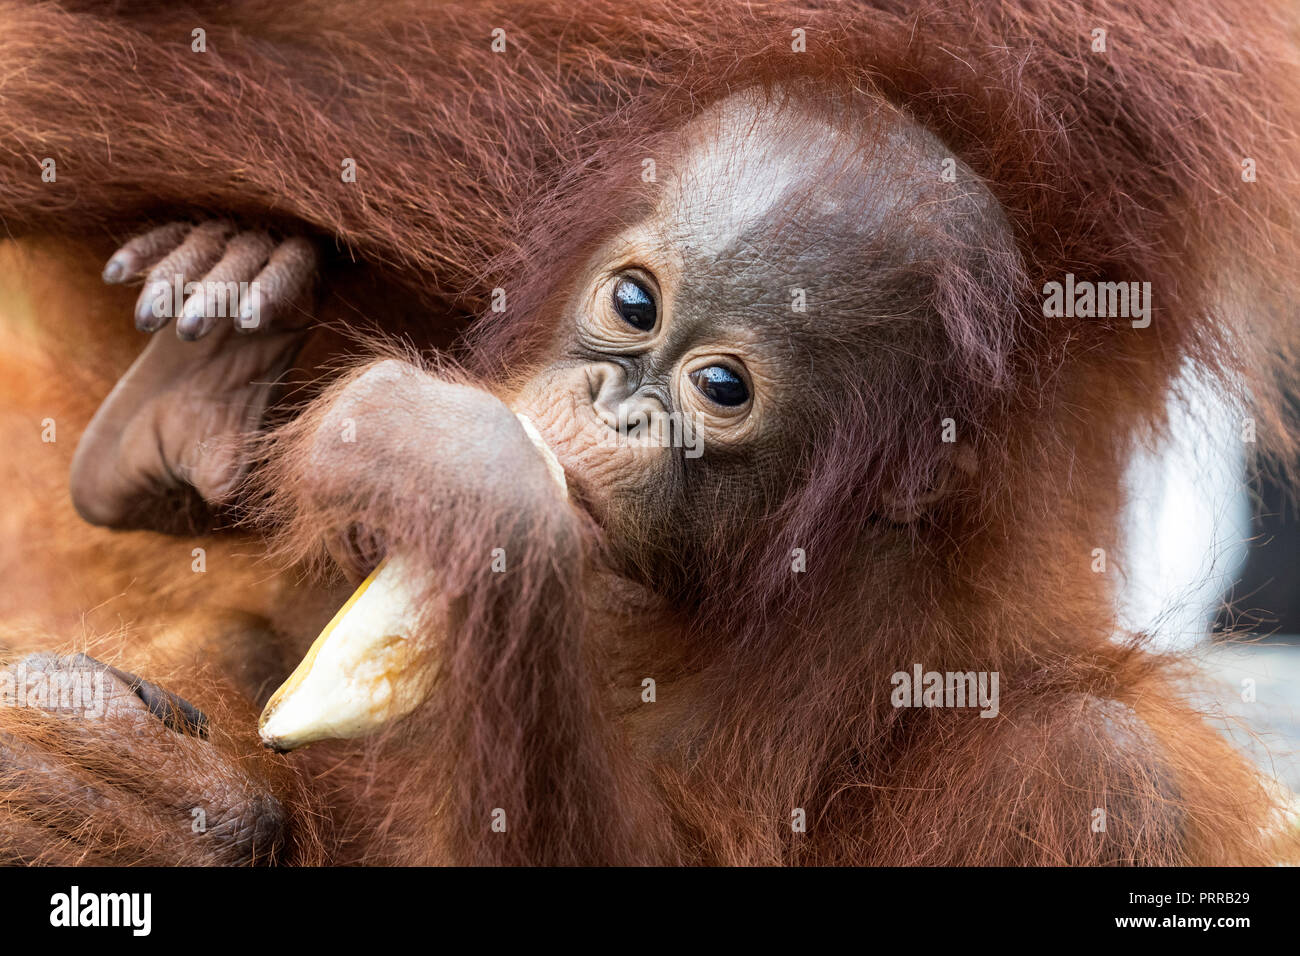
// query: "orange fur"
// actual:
[[479, 168]]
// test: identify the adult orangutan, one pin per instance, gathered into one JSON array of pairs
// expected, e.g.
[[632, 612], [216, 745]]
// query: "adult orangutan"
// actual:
[[812, 240]]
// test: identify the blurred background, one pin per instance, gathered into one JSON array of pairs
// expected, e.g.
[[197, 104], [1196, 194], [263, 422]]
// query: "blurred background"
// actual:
[[1211, 567]]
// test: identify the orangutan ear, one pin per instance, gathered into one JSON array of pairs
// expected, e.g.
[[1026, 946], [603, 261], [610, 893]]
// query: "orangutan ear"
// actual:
[[960, 465]]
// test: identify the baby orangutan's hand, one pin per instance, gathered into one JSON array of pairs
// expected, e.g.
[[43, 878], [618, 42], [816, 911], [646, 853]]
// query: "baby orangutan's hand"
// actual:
[[201, 274], [178, 421]]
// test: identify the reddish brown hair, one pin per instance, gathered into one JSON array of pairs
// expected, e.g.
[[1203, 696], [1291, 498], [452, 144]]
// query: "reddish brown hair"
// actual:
[[474, 170]]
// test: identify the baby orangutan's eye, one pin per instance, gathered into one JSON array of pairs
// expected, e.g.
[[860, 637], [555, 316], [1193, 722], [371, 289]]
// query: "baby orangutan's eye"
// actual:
[[635, 304], [721, 385]]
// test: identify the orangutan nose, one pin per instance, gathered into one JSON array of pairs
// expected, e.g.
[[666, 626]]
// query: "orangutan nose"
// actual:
[[621, 406]]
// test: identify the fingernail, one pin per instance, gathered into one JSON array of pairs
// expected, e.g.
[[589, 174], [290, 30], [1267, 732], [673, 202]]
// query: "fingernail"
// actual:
[[191, 327], [115, 270], [174, 711], [154, 308]]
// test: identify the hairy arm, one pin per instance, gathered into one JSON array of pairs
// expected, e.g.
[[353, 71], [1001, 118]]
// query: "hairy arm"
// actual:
[[260, 122], [446, 475]]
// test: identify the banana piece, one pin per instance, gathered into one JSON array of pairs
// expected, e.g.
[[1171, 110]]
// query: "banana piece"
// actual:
[[366, 669]]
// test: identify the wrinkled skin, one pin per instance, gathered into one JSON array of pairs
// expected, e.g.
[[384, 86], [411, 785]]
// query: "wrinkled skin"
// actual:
[[179, 417], [138, 757]]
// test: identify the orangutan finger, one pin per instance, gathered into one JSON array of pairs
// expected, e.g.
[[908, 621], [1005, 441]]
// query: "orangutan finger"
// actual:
[[224, 289], [278, 288], [195, 256], [174, 711], [143, 251]]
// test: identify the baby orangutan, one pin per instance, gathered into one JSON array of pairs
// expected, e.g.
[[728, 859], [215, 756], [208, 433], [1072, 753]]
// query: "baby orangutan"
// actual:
[[684, 651]]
